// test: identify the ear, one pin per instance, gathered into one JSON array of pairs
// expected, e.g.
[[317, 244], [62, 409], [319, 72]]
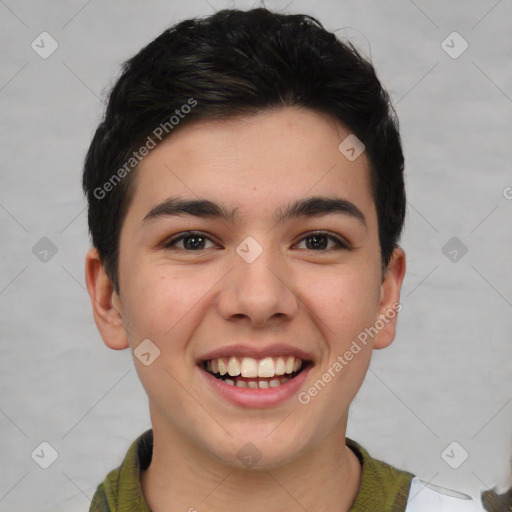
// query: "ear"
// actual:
[[390, 300], [106, 305]]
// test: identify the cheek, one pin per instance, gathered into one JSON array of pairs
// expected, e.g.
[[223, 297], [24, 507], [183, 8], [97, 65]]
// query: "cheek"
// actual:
[[160, 307], [345, 300], [162, 302]]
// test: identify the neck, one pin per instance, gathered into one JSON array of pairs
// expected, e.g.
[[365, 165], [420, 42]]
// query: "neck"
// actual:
[[182, 477]]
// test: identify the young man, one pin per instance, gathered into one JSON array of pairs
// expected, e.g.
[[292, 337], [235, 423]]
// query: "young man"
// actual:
[[246, 199]]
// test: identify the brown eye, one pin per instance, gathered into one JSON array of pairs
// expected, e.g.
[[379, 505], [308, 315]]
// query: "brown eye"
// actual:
[[320, 241], [191, 241]]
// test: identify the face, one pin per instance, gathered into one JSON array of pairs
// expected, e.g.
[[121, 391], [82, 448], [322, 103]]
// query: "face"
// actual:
[[251, 246]]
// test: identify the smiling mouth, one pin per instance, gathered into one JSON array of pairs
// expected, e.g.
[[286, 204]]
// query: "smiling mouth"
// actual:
[[246, 372]]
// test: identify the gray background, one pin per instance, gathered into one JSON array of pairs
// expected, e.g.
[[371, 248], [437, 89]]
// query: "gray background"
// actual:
[[446, 378]]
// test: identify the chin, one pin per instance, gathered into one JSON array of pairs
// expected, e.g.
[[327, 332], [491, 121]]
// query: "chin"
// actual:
[[256, 454]]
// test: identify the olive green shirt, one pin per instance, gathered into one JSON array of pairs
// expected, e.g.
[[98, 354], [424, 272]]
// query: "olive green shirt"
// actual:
[[383, 488]]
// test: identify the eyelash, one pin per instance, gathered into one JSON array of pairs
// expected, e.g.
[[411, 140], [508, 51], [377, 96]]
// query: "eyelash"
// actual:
[[340, 243]]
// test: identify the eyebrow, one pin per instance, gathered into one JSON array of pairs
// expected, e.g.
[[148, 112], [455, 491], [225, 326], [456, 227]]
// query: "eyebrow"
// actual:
[[309, 207]]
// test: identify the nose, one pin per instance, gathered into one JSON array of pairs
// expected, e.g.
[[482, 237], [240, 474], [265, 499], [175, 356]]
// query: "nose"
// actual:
[[258, 293]]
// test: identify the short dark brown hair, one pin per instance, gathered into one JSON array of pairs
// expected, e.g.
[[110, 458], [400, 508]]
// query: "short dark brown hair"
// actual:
[[236, 63]]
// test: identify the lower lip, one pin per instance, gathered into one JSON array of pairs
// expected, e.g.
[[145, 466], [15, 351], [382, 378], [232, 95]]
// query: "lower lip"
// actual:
[[256, 398]]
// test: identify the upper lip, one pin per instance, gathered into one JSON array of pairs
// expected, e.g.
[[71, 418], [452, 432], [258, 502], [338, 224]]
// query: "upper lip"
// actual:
[[259, 352]]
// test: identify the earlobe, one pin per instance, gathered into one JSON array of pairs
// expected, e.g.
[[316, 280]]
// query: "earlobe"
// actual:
[[105, 302], [390, 300]]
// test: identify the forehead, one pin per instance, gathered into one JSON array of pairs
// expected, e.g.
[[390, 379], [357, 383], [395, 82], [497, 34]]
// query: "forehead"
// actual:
[[254, 164]]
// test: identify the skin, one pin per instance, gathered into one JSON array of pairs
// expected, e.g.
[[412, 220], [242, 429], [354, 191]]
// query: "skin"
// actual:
[[191, 302]]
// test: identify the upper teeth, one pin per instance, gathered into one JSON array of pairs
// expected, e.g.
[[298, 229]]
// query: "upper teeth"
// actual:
[[249, 367]]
